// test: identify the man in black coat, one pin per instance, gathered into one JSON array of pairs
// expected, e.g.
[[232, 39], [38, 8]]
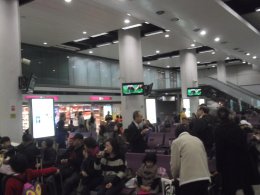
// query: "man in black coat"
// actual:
[[203, 128], [135, 134], [233, 159]]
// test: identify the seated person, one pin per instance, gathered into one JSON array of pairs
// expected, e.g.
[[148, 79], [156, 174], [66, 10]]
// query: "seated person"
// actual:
[[29, 149], [71, 174], [19, 164], [48, 153], [90, 178], [148, 180], [112, 164]]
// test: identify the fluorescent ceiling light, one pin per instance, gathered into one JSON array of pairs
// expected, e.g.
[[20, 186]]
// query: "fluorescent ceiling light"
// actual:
[[132, 26], [254, 57], [115, 42], [127, 21], [67, 1], [104, 44], [81, 39], [257, 9], [67, 47], [207, 51], [217, 39], [147, 23], [153, 33], [163, 58], [176, 56], [98, 35], [90, 52], [203, 32]]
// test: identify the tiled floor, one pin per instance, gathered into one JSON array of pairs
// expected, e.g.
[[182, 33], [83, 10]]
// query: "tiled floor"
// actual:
[[257, 191]]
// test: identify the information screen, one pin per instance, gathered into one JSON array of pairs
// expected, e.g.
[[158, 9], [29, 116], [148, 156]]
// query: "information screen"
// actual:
[[43, 118], [151, 110], [194, 92], [133, 88]]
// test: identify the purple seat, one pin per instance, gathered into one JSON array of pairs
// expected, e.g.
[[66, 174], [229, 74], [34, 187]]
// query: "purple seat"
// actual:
[[164, 161], [134, 160], [168, 137], [155, 140]]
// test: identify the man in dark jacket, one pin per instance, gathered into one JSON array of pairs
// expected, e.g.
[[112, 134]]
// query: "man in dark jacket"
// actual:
[[72, 172], [29, 149], [234, 162], [135, 134], [203, 128]]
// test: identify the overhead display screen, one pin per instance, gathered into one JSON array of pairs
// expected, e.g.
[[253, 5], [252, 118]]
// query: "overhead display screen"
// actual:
[[194, 92], [43, 118], [133, 88]]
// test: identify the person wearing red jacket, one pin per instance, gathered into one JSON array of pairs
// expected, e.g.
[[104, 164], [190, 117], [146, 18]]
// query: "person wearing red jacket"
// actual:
[[14, 184]]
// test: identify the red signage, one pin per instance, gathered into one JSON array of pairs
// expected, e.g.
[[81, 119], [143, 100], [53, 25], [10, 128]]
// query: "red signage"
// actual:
[[54, 97], [100, 98]]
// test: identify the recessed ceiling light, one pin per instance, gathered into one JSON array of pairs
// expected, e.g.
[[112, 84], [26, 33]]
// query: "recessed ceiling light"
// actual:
[[213, 52], [128, 14], [203, 32], [146, 22], [45, 43], [68, 57], [248, 54], [167, 36], [84, 32], [254, 57], [53, 70], [149, 63], [213, 66], [217, 39], [90, 52], [167, 30], [127, 21], [168, 66], [148, 69], [244, 62], [198, 62], [257, 9], [192, 45], [115, 42], [227, 58], [157, 51], [67, 1]]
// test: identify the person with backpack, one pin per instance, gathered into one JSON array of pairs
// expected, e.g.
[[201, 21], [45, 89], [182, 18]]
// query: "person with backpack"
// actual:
[[15, 184]]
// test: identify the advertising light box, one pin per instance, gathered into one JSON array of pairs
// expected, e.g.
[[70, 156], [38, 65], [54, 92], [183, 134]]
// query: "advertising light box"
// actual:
[[43, 118]]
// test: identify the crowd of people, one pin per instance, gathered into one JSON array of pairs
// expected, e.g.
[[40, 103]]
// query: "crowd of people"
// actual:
[[87, 164]]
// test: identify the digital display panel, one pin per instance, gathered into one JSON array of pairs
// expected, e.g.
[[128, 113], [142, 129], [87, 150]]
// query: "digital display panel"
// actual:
[[43, 118], [194, 92], [133, 88]]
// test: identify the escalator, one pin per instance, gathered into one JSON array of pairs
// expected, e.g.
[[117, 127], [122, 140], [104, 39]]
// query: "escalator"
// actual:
[[219, 91]]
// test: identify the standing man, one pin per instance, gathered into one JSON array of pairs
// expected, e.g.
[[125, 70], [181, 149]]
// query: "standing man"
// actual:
[[189, 163], [135, 133]]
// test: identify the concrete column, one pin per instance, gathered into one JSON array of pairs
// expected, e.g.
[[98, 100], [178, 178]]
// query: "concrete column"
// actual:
[[10, 70], [131, 70], [189, 77], [221, 72]]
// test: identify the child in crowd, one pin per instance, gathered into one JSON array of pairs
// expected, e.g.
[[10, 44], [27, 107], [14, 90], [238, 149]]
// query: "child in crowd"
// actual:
[[14, 184], [148, 180], [90, 178], [49, 154]]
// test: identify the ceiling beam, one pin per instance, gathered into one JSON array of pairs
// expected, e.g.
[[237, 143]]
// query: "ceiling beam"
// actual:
[[23, 2]]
